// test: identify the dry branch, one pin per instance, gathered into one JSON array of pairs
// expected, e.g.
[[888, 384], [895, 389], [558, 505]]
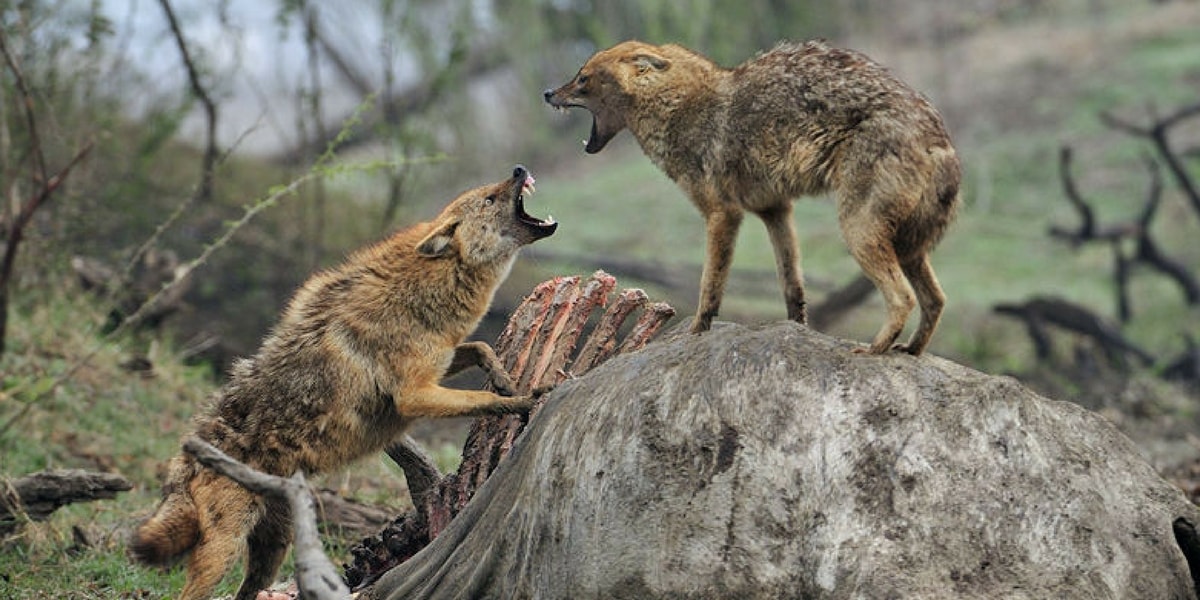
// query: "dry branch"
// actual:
[[35, 497], [211, 153], [1158, 132], [840, 301], [1087, 217], [315, 575], [419, 471], [413, 99], [1146, 250], [1039, 312], [1186, 366], [45, 185]]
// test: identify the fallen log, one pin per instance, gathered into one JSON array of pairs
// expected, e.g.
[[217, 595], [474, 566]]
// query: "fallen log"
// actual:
[[1040, 311], [35, 497]]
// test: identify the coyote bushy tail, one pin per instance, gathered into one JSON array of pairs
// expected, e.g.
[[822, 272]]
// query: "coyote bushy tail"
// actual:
[[175, 528]]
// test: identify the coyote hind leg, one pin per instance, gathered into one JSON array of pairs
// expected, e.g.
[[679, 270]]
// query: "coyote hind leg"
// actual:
[[877, 257], [930, 297], [226, 513]]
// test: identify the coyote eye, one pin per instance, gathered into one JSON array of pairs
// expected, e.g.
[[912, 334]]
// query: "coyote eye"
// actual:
[[490, 200], [582, 80]]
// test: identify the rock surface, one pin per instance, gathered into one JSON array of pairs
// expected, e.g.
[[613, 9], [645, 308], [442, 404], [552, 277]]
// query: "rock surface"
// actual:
[[770, 462]]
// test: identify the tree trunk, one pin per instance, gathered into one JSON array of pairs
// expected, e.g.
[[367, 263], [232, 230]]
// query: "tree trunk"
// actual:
[[770, 462]]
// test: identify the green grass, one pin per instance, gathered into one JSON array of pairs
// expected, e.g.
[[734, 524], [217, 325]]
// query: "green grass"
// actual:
[[102, 418], [105, 418]]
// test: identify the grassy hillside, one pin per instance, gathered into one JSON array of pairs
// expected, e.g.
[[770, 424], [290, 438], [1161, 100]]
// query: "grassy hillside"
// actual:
[[102, 418], [108, 418]]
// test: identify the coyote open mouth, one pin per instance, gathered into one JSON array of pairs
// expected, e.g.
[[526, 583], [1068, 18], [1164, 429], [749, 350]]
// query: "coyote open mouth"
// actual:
[[524, 179]]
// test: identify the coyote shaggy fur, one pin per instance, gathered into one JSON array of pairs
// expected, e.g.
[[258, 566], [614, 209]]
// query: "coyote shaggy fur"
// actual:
[[356, 356], [801, 119]]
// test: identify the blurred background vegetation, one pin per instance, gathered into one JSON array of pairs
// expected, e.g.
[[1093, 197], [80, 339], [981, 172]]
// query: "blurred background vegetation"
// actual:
[[178, 130]]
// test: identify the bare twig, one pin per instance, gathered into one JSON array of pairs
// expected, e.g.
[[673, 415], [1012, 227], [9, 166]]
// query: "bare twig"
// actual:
[[1159, 134], [316, 576], [419, 470], [179, 211], [35, 143], [44, 184], [1185, 367], [1121, 272], [418, 96], [211, 153], [344, 66], [28, 208], [313, 97], [1089, 230], [1087, 222], [1148, 251]]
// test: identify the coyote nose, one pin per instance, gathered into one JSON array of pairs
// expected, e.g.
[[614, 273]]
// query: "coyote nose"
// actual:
[[548, 94], [520, 172]]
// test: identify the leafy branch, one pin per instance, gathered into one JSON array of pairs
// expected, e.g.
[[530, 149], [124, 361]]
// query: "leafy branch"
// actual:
[[45, 184]]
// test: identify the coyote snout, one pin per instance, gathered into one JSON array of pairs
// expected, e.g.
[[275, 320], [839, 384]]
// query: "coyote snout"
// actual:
[[801, 119], [357, 355]]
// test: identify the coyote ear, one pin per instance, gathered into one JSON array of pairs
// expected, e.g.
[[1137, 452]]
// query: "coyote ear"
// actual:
[[644, 62], [438, 242]]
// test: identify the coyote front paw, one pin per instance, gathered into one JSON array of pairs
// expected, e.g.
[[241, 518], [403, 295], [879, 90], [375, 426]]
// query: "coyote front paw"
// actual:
[[502, 383], [521, 404]]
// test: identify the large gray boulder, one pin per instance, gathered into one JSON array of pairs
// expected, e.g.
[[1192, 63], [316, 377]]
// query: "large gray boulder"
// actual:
[[770, 462]]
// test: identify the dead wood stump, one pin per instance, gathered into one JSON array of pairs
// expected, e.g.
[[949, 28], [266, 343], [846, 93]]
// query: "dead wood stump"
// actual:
[[539, 348]]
